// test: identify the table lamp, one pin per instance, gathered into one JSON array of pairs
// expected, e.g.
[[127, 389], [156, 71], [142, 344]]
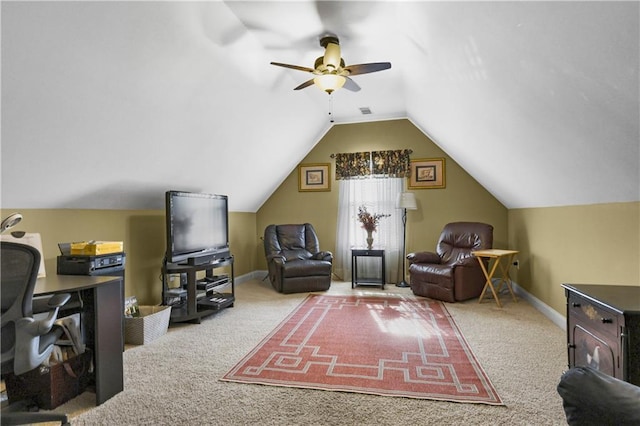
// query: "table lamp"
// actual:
[[406, 201]]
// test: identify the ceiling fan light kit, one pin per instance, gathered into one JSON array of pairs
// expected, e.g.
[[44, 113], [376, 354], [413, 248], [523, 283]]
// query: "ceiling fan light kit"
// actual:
[[329, 82], [331, 71]]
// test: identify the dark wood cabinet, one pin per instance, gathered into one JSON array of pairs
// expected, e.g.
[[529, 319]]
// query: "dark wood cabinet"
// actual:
[[603, 329]]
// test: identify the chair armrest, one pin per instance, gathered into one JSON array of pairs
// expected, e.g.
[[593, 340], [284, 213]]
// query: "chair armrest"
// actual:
[[467, 261], [423, 257], [323, 255], [48, 305], [42, 304], [276, 258], [37, 325], [30, 329], [45, 305], [59, 299]]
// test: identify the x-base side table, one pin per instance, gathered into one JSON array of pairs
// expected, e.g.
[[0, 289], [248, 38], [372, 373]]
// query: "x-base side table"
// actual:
[[497, 255]]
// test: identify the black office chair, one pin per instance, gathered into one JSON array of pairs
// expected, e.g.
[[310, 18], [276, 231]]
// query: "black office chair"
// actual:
[[27, 341]]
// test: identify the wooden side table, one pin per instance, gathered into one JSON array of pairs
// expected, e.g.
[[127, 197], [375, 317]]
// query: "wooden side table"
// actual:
[[497, 255], [356, 279]]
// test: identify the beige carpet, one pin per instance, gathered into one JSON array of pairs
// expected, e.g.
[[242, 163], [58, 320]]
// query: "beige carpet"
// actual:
[[175, 379]]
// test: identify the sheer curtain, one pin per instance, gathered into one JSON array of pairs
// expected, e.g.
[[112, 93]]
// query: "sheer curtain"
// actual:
[[378, 195]]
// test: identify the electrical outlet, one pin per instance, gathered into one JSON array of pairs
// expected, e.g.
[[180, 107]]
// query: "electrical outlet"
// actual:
[[517, 264]]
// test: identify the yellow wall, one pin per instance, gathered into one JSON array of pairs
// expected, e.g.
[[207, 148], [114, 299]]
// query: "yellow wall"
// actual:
[[462, 199], [143, 234], [592, 244], [588, 244]]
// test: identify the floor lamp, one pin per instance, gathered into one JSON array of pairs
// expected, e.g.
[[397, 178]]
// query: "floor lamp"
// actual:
[[406, 201]]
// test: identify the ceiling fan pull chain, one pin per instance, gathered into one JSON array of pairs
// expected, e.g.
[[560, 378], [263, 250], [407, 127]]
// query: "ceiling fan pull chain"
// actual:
[[330, 108]]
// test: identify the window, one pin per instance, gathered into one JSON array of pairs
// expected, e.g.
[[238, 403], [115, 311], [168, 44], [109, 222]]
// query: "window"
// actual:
[[379, 195]]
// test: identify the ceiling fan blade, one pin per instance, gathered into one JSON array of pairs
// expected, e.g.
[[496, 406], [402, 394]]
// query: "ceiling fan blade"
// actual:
[[305, 84], [332, 55], [367, 68], [349, 84], [293, 67]]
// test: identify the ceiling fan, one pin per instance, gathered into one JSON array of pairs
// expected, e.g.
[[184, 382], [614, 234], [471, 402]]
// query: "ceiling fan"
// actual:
[[330, 71]]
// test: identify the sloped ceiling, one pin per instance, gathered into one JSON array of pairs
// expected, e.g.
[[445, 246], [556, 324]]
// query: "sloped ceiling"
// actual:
[[109, 104]]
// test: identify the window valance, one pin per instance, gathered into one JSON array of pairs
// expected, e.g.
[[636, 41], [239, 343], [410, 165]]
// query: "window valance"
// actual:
[[355, 165]]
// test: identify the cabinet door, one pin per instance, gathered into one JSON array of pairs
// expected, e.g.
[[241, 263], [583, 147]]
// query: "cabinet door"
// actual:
[[594, 336], [592, 351]]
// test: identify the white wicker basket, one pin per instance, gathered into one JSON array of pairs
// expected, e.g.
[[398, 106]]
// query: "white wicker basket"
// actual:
[[151, 324]]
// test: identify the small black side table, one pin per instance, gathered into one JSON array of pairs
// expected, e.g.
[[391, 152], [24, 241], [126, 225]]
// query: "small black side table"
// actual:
[[371, 281]]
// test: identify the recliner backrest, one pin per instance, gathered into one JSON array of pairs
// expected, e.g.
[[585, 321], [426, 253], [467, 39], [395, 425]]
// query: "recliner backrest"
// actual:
[[458, 239], [292, 241]]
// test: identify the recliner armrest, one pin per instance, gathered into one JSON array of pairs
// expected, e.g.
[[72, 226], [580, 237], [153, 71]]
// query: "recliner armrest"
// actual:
[[466, 261], [276, 258], [424, 257], [323, 255]]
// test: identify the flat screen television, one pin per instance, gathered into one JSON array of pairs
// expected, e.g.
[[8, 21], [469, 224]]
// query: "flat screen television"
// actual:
[[197, 227]]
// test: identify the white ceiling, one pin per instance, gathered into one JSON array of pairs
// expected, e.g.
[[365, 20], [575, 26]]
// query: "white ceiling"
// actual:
[[109, 104]]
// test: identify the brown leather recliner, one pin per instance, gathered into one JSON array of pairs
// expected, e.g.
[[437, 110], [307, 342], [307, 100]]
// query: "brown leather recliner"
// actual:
[[296, 263], [452, 273]]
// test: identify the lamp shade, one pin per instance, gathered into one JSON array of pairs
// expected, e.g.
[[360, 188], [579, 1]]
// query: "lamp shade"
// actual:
[[407, 200]]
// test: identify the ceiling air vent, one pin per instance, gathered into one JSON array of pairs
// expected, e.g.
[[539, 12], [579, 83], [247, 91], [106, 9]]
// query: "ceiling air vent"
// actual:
[[365, 110]]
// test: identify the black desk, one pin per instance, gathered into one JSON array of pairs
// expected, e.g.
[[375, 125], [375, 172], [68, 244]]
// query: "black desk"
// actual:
[[102, 324], [358, 280]]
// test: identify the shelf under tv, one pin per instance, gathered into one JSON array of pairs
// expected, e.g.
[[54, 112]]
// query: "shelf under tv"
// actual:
[[204, 296], [216, 301]]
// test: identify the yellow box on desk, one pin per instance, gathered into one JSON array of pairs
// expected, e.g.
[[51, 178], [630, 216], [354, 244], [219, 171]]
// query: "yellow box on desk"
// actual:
[[94, 248]]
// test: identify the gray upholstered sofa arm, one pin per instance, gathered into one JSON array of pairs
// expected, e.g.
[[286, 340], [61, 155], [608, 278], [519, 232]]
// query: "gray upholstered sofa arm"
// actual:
[[590, 397]]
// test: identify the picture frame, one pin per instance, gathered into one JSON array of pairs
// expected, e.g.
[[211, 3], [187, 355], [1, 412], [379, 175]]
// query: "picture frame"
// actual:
[[314, 177], [427, 173]]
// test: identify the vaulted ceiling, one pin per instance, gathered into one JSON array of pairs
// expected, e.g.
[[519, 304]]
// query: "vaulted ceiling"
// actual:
[[109, 104]]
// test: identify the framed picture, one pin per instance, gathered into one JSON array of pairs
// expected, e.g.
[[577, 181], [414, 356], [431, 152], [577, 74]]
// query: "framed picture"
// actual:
[[427, 173], [314, 177]]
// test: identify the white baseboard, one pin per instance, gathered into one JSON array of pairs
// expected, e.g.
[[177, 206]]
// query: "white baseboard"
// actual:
[[255, 275], [545, 309]]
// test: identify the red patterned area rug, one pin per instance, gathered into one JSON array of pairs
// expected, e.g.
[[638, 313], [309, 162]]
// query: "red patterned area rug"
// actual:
[[391, 346]]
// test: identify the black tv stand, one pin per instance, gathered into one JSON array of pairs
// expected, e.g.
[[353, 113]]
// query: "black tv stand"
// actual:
[[195, 297]]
